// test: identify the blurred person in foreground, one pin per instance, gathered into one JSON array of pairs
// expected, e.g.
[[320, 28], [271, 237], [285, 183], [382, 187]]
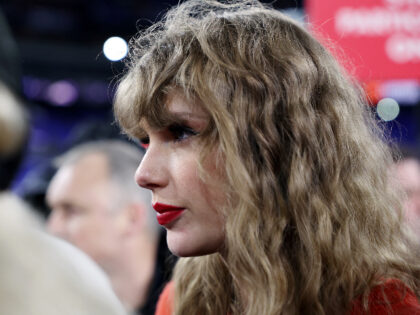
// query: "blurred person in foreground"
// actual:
[[39, 274], [267, 168], [97, 206], [408, 175], [43, 275]]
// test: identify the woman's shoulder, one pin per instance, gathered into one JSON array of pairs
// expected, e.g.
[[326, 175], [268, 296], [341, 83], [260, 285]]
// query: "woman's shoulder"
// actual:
[[166, 300], [391, 297]]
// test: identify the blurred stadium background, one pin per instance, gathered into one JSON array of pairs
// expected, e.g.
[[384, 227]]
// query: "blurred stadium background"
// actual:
[[69, 81]]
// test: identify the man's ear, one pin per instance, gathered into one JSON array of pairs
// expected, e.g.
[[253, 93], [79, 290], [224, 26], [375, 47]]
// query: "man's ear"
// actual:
[[132, 218]]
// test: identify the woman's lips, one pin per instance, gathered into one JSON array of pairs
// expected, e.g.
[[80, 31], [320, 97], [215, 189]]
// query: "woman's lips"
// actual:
[[167, 213]]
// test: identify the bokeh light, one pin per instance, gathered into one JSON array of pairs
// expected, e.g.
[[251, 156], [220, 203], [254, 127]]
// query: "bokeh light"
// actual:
[[388, 109], [115, 48], [62, 93]]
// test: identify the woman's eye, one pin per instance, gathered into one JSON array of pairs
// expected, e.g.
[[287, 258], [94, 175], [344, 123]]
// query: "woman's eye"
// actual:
[[180, 132], [144, 142]]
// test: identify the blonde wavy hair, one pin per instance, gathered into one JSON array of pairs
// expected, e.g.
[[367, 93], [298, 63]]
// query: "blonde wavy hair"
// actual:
[[313, 219]]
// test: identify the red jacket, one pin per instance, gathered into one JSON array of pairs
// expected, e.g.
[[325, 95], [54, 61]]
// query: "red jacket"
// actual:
[[401, 300]]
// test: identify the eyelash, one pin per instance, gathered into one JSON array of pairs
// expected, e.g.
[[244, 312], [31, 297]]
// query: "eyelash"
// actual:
[[178, 133], [181, 132]]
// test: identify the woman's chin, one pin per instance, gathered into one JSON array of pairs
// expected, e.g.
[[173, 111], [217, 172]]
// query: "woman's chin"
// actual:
[[189, 246]]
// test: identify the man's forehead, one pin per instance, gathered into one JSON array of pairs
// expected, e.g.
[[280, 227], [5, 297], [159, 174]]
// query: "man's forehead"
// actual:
[[92, 167]]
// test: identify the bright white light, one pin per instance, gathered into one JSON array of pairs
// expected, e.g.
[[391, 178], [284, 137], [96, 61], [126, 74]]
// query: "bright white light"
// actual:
[[115, 48], [388, 109]]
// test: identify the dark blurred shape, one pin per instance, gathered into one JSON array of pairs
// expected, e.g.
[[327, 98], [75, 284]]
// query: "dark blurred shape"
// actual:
[[97, 130], [35, 185], [13, 125], [10, 69], [8, 167]]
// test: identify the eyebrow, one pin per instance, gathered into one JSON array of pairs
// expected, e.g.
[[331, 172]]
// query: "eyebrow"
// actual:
[[177, 117], [182, 115]]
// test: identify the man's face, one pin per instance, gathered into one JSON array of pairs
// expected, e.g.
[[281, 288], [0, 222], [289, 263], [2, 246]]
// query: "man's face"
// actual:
[[81, 198], [408, 174]]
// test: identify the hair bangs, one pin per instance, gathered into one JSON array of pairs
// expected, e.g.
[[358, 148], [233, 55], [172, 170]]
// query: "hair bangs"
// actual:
[[173, 62]]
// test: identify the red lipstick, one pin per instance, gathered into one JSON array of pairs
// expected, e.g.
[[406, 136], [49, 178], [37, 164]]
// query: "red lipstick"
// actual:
[[167, 213]]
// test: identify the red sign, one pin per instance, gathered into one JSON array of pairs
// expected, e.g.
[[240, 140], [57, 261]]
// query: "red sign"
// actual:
[[380, 38]]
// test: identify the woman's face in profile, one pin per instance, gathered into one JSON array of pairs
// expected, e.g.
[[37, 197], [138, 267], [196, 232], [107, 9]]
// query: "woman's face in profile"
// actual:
[[187, 206]]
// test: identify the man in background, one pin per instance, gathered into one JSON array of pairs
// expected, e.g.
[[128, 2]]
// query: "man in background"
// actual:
[[408, 174], [97, 206]]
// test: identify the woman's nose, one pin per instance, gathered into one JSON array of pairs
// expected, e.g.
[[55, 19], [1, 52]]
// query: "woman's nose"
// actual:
[[151, 172]]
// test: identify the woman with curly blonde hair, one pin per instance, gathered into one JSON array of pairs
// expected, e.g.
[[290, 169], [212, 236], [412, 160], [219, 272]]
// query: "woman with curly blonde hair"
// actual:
[[267, 168]]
